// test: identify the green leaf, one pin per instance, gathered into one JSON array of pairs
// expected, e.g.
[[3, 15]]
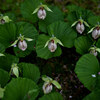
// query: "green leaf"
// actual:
[[2, 48], [29, 39], [14, 43], [86, 23], [56, 84], [51, 17], [63, 32], [87, 69], [8, 34], [82, 44], [98, 49], [15, 71], [1, 54], [30, 71], [27, 8], [47, 8], [47, 43], [52, 96], [93, 20], [95, 95], [7, 61], [91, 30], [4, 77], [1, 92], [46, 78], [75, 12], [19, 89], [44, 52], [74, 23], [36, 10]]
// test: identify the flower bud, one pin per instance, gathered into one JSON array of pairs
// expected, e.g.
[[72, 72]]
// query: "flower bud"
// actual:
[[22, 45], [52, 46], [41, 13], [96, 33], [47, 87], [80, 27], [94, 52]]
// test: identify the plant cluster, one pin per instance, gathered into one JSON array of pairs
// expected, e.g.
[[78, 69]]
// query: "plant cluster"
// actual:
[[44, 31]]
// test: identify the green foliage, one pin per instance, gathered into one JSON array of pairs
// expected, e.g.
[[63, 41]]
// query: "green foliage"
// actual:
[[27, 9], [94, 20], [75, 12], [7, 61], [87, 69], [53, 96], [21, 88], [82, 44], [30, 71], [63, 32], [2, 48], [21, 82], [7, 34], [95, 95], [4, 77]]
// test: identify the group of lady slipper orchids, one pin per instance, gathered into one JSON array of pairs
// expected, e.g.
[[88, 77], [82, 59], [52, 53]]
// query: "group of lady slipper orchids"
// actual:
[[48, 84], [22, 45], [52, 44], [14, 70], [4, 19], [94, 50], [80, 25], [95, 31], [41, 11]]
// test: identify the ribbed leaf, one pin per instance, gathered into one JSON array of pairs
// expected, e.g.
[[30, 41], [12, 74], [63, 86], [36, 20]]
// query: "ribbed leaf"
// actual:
[[52, 96], [82, 45], [63, 32], [95, 95], [4, 77], [27, 8], [7, 61], [30, 71], [94, 20], [2, 48], [7, 34], [87, 69], [21, 89]]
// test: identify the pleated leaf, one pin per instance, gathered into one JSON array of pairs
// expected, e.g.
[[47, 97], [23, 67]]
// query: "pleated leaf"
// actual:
[[95, 95], [7, 34], [4, 77], [30, 71], [21, 89], [87, 69], [82, 45], [63, 32], [7, 61], [52, 96], [27, 8]]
